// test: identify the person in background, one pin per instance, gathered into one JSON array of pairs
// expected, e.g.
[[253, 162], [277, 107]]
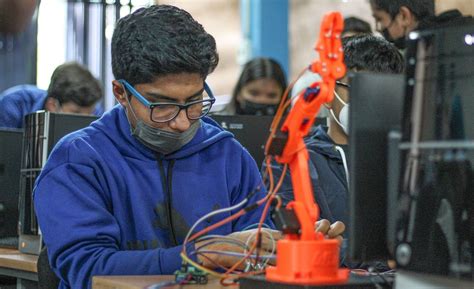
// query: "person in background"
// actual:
[[73, 89], [354, 26], [259, 88], [396, 18]]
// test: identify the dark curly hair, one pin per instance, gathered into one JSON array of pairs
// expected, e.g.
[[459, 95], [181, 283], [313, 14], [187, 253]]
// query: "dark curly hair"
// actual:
[[356, 25], [372, 53], [161, 40], [72, 82]]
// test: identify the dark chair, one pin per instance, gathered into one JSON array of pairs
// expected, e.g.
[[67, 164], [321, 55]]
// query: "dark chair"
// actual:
[[46, 277], [7, 282], [12, 243]]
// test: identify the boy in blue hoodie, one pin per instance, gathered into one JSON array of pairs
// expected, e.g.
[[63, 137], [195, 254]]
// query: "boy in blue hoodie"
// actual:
[[73, 89], [118, 197], [327, 145]]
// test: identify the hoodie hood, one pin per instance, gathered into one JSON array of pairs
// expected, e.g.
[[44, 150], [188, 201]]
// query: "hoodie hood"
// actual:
[[320, 142], [209, 133]]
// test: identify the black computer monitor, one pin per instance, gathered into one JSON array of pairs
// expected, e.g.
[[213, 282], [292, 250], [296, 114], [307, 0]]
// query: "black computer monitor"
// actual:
[[10, 160], [375, 109], [251, 131]]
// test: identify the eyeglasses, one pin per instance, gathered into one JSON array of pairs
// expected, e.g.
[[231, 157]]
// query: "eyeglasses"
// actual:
[[161, 112]]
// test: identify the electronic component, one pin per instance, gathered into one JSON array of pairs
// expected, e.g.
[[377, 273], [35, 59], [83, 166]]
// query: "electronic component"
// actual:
[[286, 221], [189, 274]]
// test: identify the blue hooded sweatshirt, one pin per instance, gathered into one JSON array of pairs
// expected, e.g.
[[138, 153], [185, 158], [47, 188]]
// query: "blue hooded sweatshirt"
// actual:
[[18, 101], [108, 205]]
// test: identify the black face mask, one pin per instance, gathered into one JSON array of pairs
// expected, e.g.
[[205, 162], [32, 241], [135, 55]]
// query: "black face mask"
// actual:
[[253, 108], [398, 42]]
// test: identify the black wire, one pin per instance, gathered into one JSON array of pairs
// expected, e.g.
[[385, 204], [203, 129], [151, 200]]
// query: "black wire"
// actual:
[[386, 283]]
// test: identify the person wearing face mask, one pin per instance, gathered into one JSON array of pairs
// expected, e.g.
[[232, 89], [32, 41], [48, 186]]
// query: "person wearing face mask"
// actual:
[[327, 145], [73, 89], [259, 89], [119, 197], [395, 19]]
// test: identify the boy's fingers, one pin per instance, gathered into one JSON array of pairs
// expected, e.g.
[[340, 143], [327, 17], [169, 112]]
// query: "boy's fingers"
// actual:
[[336, 229]]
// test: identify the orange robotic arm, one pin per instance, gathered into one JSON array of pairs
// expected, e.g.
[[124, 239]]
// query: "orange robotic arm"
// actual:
[[307, 257]]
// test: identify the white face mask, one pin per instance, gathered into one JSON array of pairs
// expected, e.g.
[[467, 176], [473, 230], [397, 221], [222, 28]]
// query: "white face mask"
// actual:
[[343, 120]]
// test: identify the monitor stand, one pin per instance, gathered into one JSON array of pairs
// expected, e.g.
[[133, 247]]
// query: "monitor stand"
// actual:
[[355, 282], [408, 279]]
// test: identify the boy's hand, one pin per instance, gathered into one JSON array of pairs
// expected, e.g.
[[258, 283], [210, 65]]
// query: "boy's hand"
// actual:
[[332, 231]]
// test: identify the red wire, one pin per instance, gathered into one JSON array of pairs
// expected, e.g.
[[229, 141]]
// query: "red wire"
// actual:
[[260, 224]]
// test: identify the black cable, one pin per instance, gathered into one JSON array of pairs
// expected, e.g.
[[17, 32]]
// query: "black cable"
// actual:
[[386, 283]]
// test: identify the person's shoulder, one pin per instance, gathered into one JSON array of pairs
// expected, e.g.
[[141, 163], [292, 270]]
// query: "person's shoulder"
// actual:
[[22, 94], [24, 89], [80, 144]]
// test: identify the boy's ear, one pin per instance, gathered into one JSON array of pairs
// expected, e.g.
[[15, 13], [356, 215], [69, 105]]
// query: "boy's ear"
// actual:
[[407, 17], [119, 92], [51, 104]]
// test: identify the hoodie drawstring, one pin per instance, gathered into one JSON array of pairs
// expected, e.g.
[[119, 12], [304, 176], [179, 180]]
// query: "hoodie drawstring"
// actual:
[[344, 162], [167, 188]]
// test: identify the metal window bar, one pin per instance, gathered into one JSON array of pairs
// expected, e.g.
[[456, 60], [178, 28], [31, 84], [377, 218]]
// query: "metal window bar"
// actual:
[[87, 41]]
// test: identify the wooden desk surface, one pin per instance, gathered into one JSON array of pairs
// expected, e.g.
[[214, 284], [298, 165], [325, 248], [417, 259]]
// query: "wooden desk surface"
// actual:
[[13, 259], [140, 282]]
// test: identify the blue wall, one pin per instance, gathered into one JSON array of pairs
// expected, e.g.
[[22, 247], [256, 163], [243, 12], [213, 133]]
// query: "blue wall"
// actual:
[[265, 27]]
